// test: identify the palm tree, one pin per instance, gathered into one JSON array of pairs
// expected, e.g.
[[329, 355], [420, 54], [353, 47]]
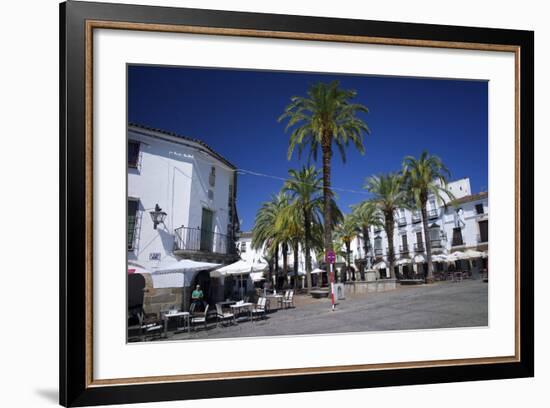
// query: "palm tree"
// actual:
[[289, 228], [388, 196], [345, 232], [425, 177], [367, 214], [264, 233], [324, 117], [305, 188]]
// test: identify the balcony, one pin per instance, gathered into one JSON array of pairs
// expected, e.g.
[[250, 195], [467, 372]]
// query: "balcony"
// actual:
[[482, 240], [419, 247], [378, 251], [401, 221], [436, 243], [194, 240], [433, 214], [403, 249], [416, 217]]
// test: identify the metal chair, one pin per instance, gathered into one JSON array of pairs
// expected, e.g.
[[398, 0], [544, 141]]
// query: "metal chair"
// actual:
[[200, 318], [260, 308], [289, 299], [223, 316]]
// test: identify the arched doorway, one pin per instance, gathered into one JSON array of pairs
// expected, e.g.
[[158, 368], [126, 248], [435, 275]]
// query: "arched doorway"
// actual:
[[136, 286]]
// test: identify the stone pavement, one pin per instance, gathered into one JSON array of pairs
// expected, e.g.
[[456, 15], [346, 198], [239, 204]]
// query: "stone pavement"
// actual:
[[439, 305]]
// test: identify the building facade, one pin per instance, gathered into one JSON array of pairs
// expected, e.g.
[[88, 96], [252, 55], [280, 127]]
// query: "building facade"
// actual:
[[456, 225], [195, 189]]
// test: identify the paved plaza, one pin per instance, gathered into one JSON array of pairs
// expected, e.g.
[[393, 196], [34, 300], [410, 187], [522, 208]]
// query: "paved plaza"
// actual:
[[439, 305]]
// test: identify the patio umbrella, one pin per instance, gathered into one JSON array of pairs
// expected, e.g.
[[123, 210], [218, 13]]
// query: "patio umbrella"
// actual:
[[440, 258], [456, 256], [318, 270], [134, 267], [403, 261], [178, 274], [380, 265], [419, 258], [239, 268], [472, 254]]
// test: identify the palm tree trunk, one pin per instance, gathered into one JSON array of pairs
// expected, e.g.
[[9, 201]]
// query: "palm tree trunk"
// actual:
[[366, 243], [428, 243], [295, 255], [389, 232], [285, 261], [307, 235], [348, 259], [327, 193], [276, 266]]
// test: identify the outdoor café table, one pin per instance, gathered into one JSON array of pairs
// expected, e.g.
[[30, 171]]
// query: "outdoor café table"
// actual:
[[168, 315], [278, 298], [226, 303], [238, 307]]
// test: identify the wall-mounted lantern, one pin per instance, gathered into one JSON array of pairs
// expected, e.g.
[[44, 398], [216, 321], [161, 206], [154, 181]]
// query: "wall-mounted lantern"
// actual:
[[157, 216]]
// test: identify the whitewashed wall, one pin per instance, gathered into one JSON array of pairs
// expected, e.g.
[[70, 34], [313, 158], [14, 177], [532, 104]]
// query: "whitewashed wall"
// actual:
[[174, 176]]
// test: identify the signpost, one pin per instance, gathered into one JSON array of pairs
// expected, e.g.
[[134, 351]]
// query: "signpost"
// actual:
[[330, 258]]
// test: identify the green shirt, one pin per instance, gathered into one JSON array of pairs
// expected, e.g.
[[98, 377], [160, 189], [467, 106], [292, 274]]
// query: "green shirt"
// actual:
[[197, 294]]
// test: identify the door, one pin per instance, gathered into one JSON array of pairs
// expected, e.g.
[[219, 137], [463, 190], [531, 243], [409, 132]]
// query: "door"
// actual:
[[206, 230]]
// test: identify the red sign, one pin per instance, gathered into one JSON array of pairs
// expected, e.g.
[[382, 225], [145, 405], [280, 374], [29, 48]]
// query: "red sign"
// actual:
[[330, 257]]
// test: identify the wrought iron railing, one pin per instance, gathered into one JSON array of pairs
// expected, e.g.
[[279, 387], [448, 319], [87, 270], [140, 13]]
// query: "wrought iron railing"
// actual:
[[416, 217], [401, 221], [403, 249], [419, 247], [195, 239], [432, 214], [378, 252]]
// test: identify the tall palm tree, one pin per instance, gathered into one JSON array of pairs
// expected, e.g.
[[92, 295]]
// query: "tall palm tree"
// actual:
[[324, 117], [388, 196], [345, 232], [367, 214], [306, 189], [425, 177]]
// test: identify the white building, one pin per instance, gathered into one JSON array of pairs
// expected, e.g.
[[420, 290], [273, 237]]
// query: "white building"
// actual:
[[453, 226], [193, 185], [195, 188]]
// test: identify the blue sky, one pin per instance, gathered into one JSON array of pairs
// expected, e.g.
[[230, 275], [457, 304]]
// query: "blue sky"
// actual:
[[236, 111]]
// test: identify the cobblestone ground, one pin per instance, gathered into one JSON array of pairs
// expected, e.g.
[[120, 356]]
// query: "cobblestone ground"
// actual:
[[439, 305]]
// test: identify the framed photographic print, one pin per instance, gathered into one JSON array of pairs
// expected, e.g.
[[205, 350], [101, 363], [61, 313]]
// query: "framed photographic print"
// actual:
[[255, 203]]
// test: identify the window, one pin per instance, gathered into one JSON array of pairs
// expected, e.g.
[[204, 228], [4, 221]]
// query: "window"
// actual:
[[133, 154], [457, 237], [210, 194], [479, 209], [212, 178], [243, 247], [132, 223], [483, 231], [435, 236]]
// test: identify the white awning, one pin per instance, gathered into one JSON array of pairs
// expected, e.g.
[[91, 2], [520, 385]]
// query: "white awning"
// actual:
[[257, 276], [318, 270], [439, 258], [403, 261], [238, 268], [380, 265], [419, 258], [177, 274]]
